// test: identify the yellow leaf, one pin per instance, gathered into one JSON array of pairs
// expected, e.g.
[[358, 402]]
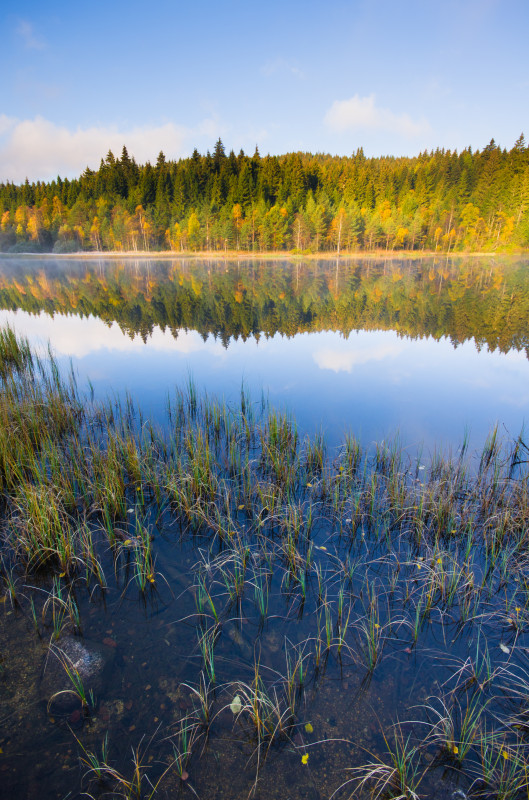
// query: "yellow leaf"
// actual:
[[305, 759], [127, 542], [455, 750], [241, 508], [309, 485], [62, 574], [505, 754]]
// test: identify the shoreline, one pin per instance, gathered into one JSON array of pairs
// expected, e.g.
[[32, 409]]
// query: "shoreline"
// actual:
[[276, 255]]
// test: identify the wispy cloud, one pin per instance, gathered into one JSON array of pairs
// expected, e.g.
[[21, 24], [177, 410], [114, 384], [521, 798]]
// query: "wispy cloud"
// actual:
[[363, 113], [41, 150], [29, 38], [282, 67]]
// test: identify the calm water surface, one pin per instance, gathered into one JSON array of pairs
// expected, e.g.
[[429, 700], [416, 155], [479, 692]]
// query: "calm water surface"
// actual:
[[432, 349]]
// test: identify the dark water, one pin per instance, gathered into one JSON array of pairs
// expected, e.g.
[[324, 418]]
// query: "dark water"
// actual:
[[430, 348]]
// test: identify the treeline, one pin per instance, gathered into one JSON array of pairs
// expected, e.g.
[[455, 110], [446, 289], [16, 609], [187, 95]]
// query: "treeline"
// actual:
[[442, 201], [459, 298]]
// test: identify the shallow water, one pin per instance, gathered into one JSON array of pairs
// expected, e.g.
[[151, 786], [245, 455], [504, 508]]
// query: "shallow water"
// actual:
[[369, 347]]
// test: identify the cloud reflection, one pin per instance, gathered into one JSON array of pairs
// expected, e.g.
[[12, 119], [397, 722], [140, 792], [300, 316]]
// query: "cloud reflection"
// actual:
[[79, 337], [345, 360]]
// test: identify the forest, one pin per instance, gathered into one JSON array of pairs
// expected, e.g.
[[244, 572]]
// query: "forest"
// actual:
[[441, 201]]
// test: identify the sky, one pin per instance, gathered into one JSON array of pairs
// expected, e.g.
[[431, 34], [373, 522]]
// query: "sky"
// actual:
[[392, 77]]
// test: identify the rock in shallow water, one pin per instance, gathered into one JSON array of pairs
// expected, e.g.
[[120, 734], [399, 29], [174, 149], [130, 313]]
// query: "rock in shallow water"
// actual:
[[89, 659]]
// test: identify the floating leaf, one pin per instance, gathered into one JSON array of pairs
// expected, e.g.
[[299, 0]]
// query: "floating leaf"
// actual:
[[305, 759], [127, 542], [505, 754], [241, 508], [309, 728], [309, 485], [504, 648], [236, 705]]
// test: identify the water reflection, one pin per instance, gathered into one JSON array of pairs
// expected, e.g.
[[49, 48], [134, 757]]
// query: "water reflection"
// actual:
[[427, 347]]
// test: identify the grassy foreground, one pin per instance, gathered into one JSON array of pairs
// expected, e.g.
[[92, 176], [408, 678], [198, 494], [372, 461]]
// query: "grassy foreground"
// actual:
[[365, 551]]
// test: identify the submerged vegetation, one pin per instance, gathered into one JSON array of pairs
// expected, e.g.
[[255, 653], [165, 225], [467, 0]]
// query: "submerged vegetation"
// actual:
[[442, 200], [354, 620]]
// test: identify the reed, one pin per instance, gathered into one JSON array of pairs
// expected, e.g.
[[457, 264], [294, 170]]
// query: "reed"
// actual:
[[354, 549], [77, 685], [398, 774]]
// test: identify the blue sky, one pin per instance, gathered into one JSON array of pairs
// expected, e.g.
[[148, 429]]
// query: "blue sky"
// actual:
[[389, 76]]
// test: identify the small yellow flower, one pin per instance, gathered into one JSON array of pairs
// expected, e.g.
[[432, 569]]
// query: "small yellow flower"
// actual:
[[377, 626], [505, 754], [455, 749], [309, 728], [305, 759]]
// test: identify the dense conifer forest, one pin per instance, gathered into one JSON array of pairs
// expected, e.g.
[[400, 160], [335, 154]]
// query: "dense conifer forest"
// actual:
[[441, 201]]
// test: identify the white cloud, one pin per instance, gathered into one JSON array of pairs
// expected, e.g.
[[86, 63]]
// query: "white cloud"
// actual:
[[41, 150], [344, 360], [362, 113], [27, 33], [6, 123]]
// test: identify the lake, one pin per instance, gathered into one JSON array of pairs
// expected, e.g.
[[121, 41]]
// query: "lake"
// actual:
[[433, 349], [267, 542]]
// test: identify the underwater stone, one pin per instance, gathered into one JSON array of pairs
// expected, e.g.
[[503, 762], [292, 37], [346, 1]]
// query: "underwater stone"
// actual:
[[89, 659]]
